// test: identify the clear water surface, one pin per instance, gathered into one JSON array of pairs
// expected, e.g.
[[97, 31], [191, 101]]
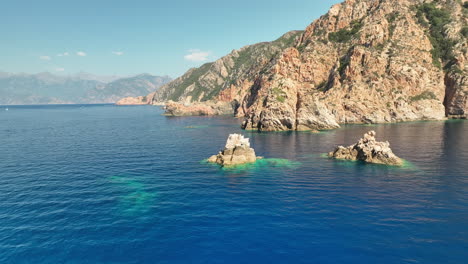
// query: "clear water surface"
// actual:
[[107, 184]]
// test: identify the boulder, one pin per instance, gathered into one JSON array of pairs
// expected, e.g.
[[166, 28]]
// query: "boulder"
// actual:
[[368, 149], [237, 151]]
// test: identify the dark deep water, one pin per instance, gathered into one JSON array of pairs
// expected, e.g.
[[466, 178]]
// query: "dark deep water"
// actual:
[[106, 184]]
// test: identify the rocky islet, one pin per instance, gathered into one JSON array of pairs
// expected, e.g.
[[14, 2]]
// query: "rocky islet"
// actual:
[[236, 152], [369, 150]]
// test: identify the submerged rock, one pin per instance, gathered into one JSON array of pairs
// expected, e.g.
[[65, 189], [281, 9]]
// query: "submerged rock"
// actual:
[[237, 151], [369, 150]]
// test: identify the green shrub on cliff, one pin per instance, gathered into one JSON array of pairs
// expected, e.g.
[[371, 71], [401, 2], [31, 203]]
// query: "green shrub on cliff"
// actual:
[[344, 62], [464, 31], [191, 79], [345, 35], [391, 18], [279, 94], [436, 19], [426, 95]]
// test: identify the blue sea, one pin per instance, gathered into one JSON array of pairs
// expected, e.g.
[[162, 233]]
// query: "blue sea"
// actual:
[[108, 184]]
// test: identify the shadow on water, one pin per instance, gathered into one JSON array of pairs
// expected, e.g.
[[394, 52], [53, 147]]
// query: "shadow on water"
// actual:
[[134, 199], [196, 127], [261, 164], [407, 165]]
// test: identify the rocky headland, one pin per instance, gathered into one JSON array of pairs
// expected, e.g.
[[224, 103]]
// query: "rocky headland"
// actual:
[[198, 109], [237, 151], [365, 61], [139, 100], [368, 149]]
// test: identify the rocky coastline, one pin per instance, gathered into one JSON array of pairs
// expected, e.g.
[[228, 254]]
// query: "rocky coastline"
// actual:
[[198, 109], [139, 100], [364, 61]]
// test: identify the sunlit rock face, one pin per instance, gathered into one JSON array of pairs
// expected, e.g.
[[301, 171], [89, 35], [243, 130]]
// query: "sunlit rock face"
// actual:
[[237, 151], [365, 61], [139, 100], [198, 109], [368, 149]]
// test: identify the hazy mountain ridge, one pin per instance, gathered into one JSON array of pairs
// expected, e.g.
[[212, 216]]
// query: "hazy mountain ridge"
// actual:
[[81, 88]]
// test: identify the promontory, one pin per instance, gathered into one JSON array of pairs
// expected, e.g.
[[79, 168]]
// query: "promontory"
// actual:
[[365, 61]]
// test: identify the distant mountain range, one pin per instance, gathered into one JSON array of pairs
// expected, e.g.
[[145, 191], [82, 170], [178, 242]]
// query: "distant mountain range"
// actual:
[[81, 88]]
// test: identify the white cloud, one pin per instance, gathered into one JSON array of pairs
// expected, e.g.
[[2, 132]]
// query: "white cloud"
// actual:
[[43, 57], [197, 55], [118, 53], [63, 54], [81, 53], [60, 69]]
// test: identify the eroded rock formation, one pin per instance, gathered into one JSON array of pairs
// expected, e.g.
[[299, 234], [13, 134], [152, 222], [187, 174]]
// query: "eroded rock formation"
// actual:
[[368, 149], [198, 109], [365, 61], [139, 100], [237, 151], [456, 95]]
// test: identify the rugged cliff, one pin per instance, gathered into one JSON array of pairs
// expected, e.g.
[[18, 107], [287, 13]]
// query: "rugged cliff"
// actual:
[[365, 61], [231, 71], [139, 100]]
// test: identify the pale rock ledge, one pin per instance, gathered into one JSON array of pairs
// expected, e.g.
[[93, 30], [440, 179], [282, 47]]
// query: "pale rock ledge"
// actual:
[[237, 151]]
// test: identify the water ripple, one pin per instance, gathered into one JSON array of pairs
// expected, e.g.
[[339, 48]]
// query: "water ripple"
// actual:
[[125, 185]]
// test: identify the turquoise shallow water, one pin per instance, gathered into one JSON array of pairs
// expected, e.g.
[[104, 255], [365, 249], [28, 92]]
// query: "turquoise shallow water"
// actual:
[[106, 184]]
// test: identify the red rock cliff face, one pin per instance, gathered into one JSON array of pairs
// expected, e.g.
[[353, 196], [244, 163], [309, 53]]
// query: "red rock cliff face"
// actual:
[[381, 72], [211, 80], [365, 61]]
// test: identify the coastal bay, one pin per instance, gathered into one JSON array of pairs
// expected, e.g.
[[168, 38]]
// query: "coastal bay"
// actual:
[[104, 183]]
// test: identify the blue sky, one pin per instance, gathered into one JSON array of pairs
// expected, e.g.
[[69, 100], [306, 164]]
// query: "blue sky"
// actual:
[[140, 36]]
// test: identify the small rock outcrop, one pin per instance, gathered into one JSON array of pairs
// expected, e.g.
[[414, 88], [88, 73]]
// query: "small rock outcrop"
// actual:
[[198, 109], [369, 150], [139, 100], [237, 151]]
